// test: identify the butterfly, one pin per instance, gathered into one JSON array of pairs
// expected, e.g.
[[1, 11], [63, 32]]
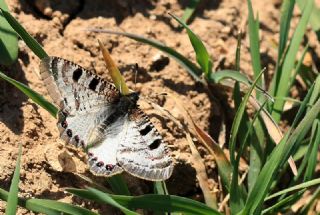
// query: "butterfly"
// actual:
[[116, 135]]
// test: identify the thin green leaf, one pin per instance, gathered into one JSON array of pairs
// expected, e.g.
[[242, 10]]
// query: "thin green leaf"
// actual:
[[219, 76], [118, 185], [294, 188], [168, 203], [314, 18], [237, 120], [30, 41], [47, 206], [189, 10], [160, 187], [288, 201], [298, 66], [222, 77], [37, 98], [254, 43], [8, 40], [202, 55], [314, 144], [193, 69], [38, 205], [106, 198], [286, 15], [14, 188], [289, 61]]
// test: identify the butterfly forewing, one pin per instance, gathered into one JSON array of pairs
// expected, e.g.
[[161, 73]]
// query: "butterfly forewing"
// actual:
[[85, 101]]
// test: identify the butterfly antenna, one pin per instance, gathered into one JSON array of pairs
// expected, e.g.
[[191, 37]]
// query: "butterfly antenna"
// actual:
[[136, 70]]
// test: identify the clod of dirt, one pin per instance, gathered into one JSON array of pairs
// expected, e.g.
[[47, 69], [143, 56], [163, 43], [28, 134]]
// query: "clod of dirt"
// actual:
[[159, 62]]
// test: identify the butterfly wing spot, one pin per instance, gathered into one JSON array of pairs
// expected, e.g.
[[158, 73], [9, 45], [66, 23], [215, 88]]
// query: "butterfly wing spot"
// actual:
[[77, 74], [146, 130], [69, 132], [64, 124], [100, 164], [155, 144], [93, 83], [77, 138], [82, 145], [109, 167]]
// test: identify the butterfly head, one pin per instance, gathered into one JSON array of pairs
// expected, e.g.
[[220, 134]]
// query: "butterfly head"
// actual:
[[133, 97], [129, 101]]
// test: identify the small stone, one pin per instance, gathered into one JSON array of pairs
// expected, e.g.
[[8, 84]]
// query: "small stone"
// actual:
[[159, 62]]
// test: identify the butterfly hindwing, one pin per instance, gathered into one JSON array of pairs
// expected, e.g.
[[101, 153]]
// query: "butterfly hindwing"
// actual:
[[142, 151]]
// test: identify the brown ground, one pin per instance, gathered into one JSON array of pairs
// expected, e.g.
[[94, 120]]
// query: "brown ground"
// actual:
[[60, 29]]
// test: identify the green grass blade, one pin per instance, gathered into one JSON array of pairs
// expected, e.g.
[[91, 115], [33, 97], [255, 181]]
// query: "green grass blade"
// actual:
[[222, 77], [160, 187], [188, 12], [314, 144], [315, 93], [118, 185], [257, 153], [38, 205], [254, 43], [30, 41], [279, 156], [288, 201], [307, 165], [237, 200], [8, 40], [106, 198], [314, 18], [167, 203], [289, 61], [47, 206], [192, 69], [37, 98], [202, 55], [294, 188], [286, 15], [219, 76], [14, 188], [237, 120]]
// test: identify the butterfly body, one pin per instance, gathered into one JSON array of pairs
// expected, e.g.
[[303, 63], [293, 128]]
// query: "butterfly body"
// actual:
[[110, 127]]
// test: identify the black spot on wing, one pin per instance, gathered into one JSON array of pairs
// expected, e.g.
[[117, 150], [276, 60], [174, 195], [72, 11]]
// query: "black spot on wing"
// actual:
[[77, 74], [146, 130], [93, 83], [155, 144]]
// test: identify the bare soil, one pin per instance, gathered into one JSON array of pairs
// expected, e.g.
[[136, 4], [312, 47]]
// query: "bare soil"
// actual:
[[47, 166]]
